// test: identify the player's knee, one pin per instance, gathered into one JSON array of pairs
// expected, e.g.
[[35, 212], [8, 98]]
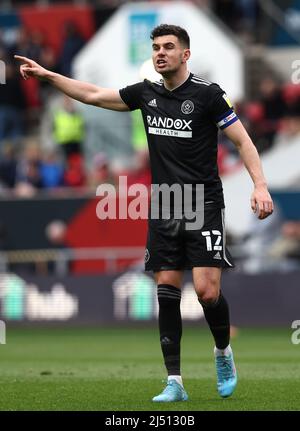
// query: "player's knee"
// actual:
[[208, 293], [208, 298]]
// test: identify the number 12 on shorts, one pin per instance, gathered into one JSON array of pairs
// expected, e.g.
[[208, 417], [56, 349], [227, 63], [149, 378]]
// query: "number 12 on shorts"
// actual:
[[208, 234]]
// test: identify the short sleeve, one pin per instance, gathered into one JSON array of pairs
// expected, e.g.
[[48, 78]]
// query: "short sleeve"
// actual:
[[131, 95], [220, 107]]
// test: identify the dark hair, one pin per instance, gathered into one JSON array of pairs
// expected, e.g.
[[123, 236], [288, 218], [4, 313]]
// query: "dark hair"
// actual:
[[166, 29]]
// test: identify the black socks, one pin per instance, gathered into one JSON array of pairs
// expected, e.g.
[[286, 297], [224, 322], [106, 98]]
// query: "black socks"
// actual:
[[170, 326], [217, 317]]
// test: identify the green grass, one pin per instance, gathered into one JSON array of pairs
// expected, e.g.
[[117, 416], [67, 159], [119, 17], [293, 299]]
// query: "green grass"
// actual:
[[122, 369]]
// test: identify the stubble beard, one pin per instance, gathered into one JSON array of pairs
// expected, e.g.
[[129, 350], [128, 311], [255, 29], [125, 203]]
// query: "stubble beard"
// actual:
[[169, 73]]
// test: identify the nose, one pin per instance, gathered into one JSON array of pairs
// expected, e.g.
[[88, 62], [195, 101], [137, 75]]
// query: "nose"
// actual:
[[161, 51]]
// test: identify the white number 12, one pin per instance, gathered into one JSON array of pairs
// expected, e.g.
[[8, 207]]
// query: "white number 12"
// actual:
[[207, 235]]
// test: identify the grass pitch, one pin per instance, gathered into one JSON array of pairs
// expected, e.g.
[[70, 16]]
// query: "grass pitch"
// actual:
[[122, 369]]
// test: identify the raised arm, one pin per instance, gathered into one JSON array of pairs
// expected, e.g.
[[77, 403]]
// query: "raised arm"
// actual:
[[261, 200], [83, 91]]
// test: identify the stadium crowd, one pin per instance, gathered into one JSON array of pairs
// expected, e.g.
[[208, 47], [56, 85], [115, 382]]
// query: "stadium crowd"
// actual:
[[27, 167]]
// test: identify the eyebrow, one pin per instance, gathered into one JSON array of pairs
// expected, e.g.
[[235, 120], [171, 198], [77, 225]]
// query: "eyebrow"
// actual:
[[154, 45]]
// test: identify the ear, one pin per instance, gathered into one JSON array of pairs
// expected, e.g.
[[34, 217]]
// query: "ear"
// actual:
[[186, 55]]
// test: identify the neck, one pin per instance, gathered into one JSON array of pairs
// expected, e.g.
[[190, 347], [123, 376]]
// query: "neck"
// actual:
[[175, 80]]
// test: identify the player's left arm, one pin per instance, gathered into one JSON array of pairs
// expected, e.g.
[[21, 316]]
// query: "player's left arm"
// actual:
[[261, 200]]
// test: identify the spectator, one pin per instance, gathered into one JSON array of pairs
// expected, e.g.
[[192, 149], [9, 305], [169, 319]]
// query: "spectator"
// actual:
[[29, 167], [100, 172], [12, 104], [273, 108], [291, 93], [286, 248], [74, 174], [290, 132], [8, 166], [68, 128], [52, 170], [29, 46], [72, 44], [33, 44]]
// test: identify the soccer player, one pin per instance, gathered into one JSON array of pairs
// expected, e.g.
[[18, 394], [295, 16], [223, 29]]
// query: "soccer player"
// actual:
[[182, 114]]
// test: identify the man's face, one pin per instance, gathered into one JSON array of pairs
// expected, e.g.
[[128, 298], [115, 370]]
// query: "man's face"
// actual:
[[168, 54]]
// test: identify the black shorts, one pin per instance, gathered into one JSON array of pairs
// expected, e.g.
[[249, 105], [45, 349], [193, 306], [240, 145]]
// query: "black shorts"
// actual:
[[170, 246]]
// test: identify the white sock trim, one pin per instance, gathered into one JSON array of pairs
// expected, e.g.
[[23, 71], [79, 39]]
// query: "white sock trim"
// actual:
[[177, 378], [221, 352]]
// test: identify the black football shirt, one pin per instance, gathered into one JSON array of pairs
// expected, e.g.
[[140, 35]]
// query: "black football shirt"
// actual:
[[182, 131]]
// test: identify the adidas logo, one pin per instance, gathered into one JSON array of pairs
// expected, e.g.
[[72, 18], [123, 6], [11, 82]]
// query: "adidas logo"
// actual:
[[166, 340], [217, 256], [153, 103]]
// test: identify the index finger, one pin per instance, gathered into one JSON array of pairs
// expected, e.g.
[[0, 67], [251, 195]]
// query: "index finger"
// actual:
[[19, 57]]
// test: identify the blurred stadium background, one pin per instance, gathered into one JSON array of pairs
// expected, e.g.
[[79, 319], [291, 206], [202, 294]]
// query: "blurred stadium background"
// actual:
[[62, 266]]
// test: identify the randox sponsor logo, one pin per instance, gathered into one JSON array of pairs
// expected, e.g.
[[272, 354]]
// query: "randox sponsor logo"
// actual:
[[169, 123]]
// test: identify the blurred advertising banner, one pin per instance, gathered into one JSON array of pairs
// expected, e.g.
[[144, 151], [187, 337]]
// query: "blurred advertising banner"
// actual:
[[128, 297], [140, 25]]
